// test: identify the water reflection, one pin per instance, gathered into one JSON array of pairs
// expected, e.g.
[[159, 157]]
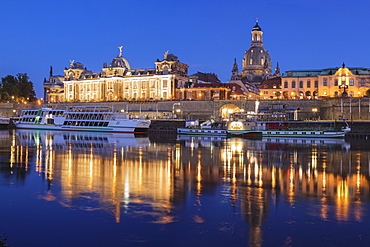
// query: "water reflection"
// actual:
[[123, 174]]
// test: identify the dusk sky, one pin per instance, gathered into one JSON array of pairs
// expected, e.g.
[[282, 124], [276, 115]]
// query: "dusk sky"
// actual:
[[206, 35]]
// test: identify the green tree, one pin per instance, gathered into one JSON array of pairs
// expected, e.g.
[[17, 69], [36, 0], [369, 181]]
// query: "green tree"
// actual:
[[18, 86], [368, 93]]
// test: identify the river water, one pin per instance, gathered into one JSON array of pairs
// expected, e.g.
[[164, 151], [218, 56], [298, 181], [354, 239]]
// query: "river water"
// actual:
[[91, 189]]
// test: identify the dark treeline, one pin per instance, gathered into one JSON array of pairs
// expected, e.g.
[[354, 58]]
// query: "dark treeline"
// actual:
[[18, 88]]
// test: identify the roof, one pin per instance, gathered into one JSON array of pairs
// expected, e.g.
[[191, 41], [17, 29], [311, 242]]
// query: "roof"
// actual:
[[327, 71], [271, 82]]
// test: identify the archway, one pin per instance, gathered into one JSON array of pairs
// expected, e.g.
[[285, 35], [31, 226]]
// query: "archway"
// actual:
[[228, 109]]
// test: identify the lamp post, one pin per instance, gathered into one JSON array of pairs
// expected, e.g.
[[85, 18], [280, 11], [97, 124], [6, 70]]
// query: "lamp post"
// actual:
[[173, 108], [314, 110], [344, 87]]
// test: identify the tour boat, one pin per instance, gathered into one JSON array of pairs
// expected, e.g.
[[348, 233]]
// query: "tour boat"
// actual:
[[81, 118], [295, 129]]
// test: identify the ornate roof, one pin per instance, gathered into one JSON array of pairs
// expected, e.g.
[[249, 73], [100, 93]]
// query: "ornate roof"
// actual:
[[256, 27]]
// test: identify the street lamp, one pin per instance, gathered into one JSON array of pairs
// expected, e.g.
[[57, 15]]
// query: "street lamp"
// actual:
[[314, 110], [344, 87]]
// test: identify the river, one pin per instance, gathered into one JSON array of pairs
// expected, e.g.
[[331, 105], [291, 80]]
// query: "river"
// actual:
[[93, 189]]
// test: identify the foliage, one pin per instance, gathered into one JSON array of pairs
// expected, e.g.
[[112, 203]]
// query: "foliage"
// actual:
[[368, 93], [3, 240], [18, 86]]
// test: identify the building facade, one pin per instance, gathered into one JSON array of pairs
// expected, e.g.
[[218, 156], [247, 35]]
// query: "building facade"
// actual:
[[118, 81], [271, 89], [331, 82]]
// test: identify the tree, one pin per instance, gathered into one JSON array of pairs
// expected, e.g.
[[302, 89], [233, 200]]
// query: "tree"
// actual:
[[18, 86], [368, 93]]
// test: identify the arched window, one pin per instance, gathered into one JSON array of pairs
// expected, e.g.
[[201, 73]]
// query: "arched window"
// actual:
[[265, 86], [165, 70]]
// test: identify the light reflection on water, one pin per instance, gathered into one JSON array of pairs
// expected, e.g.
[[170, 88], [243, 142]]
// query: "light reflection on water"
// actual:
[[118, 188]]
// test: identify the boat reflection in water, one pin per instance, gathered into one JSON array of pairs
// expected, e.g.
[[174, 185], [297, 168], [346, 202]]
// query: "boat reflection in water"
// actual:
[[217, 185]]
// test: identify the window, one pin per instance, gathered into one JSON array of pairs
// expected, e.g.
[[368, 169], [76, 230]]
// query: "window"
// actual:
[[325, 84], [293, 84], [164, 95], [250, 61], [285, 84], [336, 82], [274, 86], [265, 92], [362, 82], [316, 83], [308, 83], [351, 82], [335, 94], [164, 83], [351, 93], [301, 84], [265, 86]]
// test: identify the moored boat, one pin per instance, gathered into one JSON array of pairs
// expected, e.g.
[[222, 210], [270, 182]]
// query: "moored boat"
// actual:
[[293, 129], [208, 128], [81, 118]]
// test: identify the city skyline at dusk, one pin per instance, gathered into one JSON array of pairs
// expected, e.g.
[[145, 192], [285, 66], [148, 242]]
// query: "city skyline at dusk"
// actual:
[[207, 37]]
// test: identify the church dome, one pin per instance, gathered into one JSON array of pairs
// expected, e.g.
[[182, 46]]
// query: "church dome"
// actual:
[[257, 56], [119, 62]]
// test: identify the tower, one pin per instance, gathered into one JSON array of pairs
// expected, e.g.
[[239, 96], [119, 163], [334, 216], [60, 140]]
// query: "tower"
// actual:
[[256, 66], [235, 72]]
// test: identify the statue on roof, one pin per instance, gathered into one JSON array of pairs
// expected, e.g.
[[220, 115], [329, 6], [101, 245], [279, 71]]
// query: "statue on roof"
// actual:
[[71, 62], [165, 55], [120, 51]]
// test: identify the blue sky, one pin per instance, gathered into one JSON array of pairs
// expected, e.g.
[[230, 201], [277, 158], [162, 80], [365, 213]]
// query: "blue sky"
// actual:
[[206, 35]]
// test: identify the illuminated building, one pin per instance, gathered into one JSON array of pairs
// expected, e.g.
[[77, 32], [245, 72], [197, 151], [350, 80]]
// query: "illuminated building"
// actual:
[[330, 82], [256, 64], [117, 81], [271, 89]]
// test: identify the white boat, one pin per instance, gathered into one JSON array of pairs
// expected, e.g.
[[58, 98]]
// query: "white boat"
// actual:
[[290, 129], [81, 118], [208, 128], [4, 122]]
